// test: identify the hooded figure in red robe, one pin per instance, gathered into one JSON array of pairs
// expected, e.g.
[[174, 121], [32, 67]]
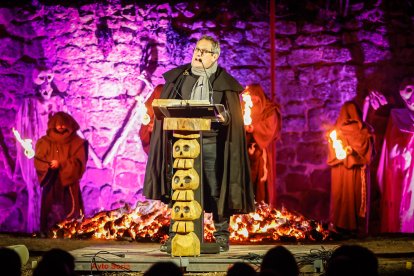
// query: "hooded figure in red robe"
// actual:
[[261, 136], [60, 162], [396, 166], [349, 173]]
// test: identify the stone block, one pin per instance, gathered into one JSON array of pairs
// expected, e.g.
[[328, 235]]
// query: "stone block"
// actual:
[[312, 153], [297, 182], [11, 49]]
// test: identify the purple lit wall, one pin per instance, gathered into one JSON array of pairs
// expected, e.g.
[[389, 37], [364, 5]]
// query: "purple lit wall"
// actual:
[[106, 53]]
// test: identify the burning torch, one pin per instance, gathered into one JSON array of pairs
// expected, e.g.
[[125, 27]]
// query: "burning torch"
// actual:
[[337, 145], [248, 104], [142, 111]]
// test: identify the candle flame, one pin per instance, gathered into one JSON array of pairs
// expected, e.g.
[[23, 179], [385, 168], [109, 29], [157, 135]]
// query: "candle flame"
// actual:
[[337, 146], [25, 143]]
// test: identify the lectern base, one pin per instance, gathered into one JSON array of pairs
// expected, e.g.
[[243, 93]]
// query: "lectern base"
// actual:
[[205, 248]]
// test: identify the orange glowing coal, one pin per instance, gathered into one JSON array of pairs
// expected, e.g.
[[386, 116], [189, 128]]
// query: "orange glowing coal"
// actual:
[[269, 224], [150, 221]]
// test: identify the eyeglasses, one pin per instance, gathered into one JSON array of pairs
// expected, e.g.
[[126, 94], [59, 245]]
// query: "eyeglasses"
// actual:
[[202, 51]]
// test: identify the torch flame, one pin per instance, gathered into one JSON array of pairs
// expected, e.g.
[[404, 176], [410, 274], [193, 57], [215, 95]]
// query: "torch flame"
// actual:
[[337, 146], [25, 143], [248, 104]]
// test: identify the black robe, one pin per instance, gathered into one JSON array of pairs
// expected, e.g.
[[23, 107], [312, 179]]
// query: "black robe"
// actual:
[[236, 193]]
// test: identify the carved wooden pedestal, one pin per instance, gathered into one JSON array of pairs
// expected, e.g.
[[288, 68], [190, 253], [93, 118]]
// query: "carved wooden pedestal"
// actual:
[[187, 184]]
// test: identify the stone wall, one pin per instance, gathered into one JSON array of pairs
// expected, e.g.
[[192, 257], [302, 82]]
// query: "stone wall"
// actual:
[[324, 59], [105, 54]]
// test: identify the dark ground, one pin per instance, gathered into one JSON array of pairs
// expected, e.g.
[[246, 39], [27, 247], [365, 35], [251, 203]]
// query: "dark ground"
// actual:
[[395, 253]]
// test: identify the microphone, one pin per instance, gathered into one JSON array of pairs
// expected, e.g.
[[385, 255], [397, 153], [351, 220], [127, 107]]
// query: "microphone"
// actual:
[[210, 87]]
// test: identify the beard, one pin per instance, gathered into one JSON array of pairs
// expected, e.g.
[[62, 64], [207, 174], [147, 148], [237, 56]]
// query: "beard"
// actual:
[[61, 131]]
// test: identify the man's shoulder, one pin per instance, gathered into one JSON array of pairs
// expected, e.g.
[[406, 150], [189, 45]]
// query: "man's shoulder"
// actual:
[[172, 74], [224, 74], [226, 82], [78, 140], [43, 139]]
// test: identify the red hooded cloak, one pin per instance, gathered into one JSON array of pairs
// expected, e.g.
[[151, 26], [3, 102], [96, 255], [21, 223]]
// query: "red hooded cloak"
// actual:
[[266, 122], [61, 195], [350, 176]]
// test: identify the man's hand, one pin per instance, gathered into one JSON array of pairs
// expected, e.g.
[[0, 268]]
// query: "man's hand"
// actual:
[[54, 164], [221, 117]]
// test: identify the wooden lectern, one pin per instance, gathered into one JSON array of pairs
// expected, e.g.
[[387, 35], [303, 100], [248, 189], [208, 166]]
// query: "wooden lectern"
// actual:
[[187, 119]]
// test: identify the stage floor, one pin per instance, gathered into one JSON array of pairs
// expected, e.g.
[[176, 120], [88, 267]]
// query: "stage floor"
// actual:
[[395, 254], [139, 257]]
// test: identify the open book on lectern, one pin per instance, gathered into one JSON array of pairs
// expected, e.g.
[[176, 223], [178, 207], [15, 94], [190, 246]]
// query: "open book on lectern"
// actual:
[[173, 108]]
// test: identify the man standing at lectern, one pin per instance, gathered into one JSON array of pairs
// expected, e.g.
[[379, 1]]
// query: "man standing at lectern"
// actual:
[[227, 186]]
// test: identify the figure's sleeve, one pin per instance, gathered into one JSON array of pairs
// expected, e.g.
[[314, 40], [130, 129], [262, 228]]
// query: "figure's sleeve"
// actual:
[[72, 169], [266, 130], [225, 114], [145, 136], [225, 117], [362, 149], [41, 160]]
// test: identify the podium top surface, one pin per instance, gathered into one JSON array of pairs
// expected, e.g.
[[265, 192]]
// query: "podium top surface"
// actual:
[[175, 102], [173, 108]]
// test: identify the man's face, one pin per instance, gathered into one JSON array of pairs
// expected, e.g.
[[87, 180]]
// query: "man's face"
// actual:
[[61, 128], [203, 51], [407, 94]]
